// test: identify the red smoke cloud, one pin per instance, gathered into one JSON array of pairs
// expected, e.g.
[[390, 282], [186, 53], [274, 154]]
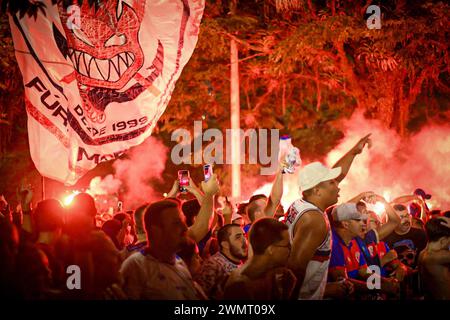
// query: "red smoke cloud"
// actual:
[[394, 166], [144, 163], [391, 167], [107, 185]]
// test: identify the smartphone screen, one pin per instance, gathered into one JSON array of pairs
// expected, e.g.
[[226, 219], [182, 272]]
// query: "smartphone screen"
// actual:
[[183, 179], [207, 171]]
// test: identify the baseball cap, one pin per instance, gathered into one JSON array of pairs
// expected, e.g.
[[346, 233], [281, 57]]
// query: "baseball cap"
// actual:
[[405, 244], [314, 173], [347, 211], [235, 216], [420, 192]]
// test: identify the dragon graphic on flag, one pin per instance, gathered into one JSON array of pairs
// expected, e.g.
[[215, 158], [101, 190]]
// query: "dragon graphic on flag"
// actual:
[[98, 78]]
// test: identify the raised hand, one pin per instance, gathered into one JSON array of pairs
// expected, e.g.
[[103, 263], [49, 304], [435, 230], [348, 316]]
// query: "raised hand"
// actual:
[[368, 196], [25, 195], [192, 187], [227, 208], [175, 190], [379, 198], [211, 187], [3, 203], [359, 147], [282, 165]]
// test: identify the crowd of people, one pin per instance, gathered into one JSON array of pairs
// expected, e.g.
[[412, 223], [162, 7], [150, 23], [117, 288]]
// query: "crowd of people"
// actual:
[[178, 249]]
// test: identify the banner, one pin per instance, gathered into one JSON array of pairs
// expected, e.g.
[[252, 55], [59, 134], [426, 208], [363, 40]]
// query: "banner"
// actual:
[[97, 79]]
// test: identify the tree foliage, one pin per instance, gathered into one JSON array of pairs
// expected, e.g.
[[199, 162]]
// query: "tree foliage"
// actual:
[[304, 65]]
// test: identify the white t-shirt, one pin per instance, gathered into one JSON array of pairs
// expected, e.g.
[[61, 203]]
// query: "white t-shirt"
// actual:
[[149, 279]]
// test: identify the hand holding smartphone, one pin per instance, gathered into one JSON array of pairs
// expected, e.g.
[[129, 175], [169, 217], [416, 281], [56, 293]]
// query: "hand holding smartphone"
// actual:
[[207, 171], [183, 180]]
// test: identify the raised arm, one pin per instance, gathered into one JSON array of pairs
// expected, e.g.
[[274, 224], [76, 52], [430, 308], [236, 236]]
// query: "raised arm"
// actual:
[[203, 222], [25, 196], [191, 188], [173, 193], [346, 161], [414, 198], [4, 208], [392, 222], [275, 195], [405, 198], [227, 212], [362, 196], [194, 190]]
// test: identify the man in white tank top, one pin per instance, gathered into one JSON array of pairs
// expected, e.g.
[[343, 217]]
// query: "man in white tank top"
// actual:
[[309, 228]]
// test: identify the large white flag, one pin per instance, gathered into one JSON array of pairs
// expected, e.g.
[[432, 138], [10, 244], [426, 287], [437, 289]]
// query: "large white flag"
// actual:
[[97, 79]]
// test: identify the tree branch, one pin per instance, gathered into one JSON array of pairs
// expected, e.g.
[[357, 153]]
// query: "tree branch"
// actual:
[[364, 9], [252, 56], [244, 43], [312, 9]]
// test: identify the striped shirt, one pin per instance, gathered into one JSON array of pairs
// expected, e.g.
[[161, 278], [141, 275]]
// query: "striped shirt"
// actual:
[[314, 283]]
